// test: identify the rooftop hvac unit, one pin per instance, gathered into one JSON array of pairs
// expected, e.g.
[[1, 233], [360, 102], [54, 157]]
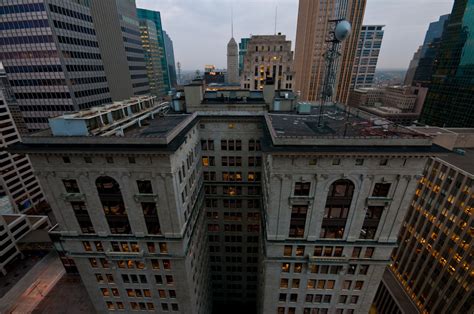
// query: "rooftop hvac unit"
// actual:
[[304, 108]]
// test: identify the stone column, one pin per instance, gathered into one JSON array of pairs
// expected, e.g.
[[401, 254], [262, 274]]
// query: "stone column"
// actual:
[[357, 212], [317, 211]]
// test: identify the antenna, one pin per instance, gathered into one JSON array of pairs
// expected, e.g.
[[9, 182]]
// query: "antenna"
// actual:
[[276, 16], [232, 20]]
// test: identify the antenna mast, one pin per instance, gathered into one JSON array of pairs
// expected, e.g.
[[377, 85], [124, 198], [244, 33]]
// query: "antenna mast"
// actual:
[[276, 16], [232, 20]]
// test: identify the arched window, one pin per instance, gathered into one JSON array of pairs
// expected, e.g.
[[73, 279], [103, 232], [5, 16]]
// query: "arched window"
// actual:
[[337, 207], [112, 203]]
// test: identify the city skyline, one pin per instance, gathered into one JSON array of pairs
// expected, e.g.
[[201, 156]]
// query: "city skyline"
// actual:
[[261, 21]]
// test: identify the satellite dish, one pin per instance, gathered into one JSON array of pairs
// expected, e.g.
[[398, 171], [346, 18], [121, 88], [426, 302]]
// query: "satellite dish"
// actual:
[[343, 30]]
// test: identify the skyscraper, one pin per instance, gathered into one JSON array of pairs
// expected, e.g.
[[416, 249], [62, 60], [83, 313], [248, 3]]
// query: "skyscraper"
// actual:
[[412, 67], [155, 17], [432, 269], [311, 34], [152, 53], [232, 62], [450, 97], [51, 55], [220, 200], [242, 51], [429, 52], [368, 50], [169, 50], [118, 35], [268, 56]]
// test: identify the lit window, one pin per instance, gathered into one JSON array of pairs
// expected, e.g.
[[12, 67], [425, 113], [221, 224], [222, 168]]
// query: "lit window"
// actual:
[[285, 267]]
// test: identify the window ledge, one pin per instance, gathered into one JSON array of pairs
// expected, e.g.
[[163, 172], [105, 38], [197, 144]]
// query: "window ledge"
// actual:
[[146, 197], [71, 197]]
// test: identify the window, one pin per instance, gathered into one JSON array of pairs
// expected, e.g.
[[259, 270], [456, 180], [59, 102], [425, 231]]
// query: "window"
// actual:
[[109, 160], [336, 161], [336, 210], [282, 297], [113, 205], [298, 221], [381, 190], [144, 187], [383, 162], [295, 283], [359, 162], [71, 186], [287, 250], [151, 217], [284, 283], [363, 269], [369, 252], [208, 161], [302, 188], [285, 267], [356, 251], [66, 160], [88, 160], [163, 247], [131, 160], [358, 285], [300, 250], [346, 285]]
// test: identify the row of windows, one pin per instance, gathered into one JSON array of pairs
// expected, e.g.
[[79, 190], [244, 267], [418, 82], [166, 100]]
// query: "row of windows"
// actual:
[[21, 40], [232, 203], [91, 92], [130, 31], [81, 55], [29, 54], [38, 82], [74, 27], [34, 68], [141, 306], [253, 145], [358, 162], [232, 176], [134, 50], [23, 24], [84, 68], [320, 284], [77, 41], [70, 13], [50, 95], [21, 8], [133, 41], [138, 76]]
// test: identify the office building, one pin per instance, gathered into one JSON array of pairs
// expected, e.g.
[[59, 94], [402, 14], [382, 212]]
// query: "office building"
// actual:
[[368, 50], [17, 181], [118, 34], [412, 67], [449, 99], [268, 57], [232, 62], [242, 51], [155, 17], [152, 53], [429, 52], [399, 104], [311, 34], [16, 230], [12, 103], [225, 200], [51, 55], [431, 271], [170, 59]]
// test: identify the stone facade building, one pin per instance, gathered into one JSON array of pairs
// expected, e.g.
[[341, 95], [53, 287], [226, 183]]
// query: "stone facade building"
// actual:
[[220, 200], [268, 56]]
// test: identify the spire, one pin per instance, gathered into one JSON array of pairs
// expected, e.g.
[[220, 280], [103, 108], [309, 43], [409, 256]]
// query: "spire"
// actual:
[[276, 15], [231, 20]]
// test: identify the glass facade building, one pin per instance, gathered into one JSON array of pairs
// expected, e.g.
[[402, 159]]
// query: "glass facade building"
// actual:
[[155, 17], [242, 51], [451, 92]]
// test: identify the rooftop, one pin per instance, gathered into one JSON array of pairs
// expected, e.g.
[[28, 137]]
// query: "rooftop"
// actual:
[[462, 159]]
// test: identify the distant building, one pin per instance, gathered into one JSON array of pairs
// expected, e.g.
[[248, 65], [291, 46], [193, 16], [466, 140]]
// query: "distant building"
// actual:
[[152, 53], [118, 36], [450, 97], [429, 52], [311, 35], [155, 17], [169, 50], [368, 50], [232, 62], [412, 67], [398, 104], [56, 66], [214, 77], [242, 51], [432, 268], [268, 56]]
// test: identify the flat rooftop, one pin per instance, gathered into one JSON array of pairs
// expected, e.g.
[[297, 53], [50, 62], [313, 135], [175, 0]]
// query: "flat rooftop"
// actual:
[[462, 161]]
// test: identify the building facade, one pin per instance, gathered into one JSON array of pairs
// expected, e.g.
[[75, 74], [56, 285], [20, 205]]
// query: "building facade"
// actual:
[[367, 55], [268, 57], [224, 202], [412, 67], [313, 27], [155, 17], [17, 180], [449, 99], [242, 51], [118, 34], [232, 62], [51, 55], [432, 268], [12, 103], [152, 53], [170, 59]]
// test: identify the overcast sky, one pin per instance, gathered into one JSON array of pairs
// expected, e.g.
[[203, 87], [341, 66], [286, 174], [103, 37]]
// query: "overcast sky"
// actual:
[[200, 29]]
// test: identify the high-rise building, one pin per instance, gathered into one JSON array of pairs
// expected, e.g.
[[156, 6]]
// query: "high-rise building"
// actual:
[[17, 180], [367, 55], [155, 17], [429, 52], [51, 55], [432, 269], [268, 56], [232, 62], [242, 51], [412, 67], [219, 197], [450, 96], [118, 34], [170, 58], [312, 31], [152, 52], [13, 106]]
